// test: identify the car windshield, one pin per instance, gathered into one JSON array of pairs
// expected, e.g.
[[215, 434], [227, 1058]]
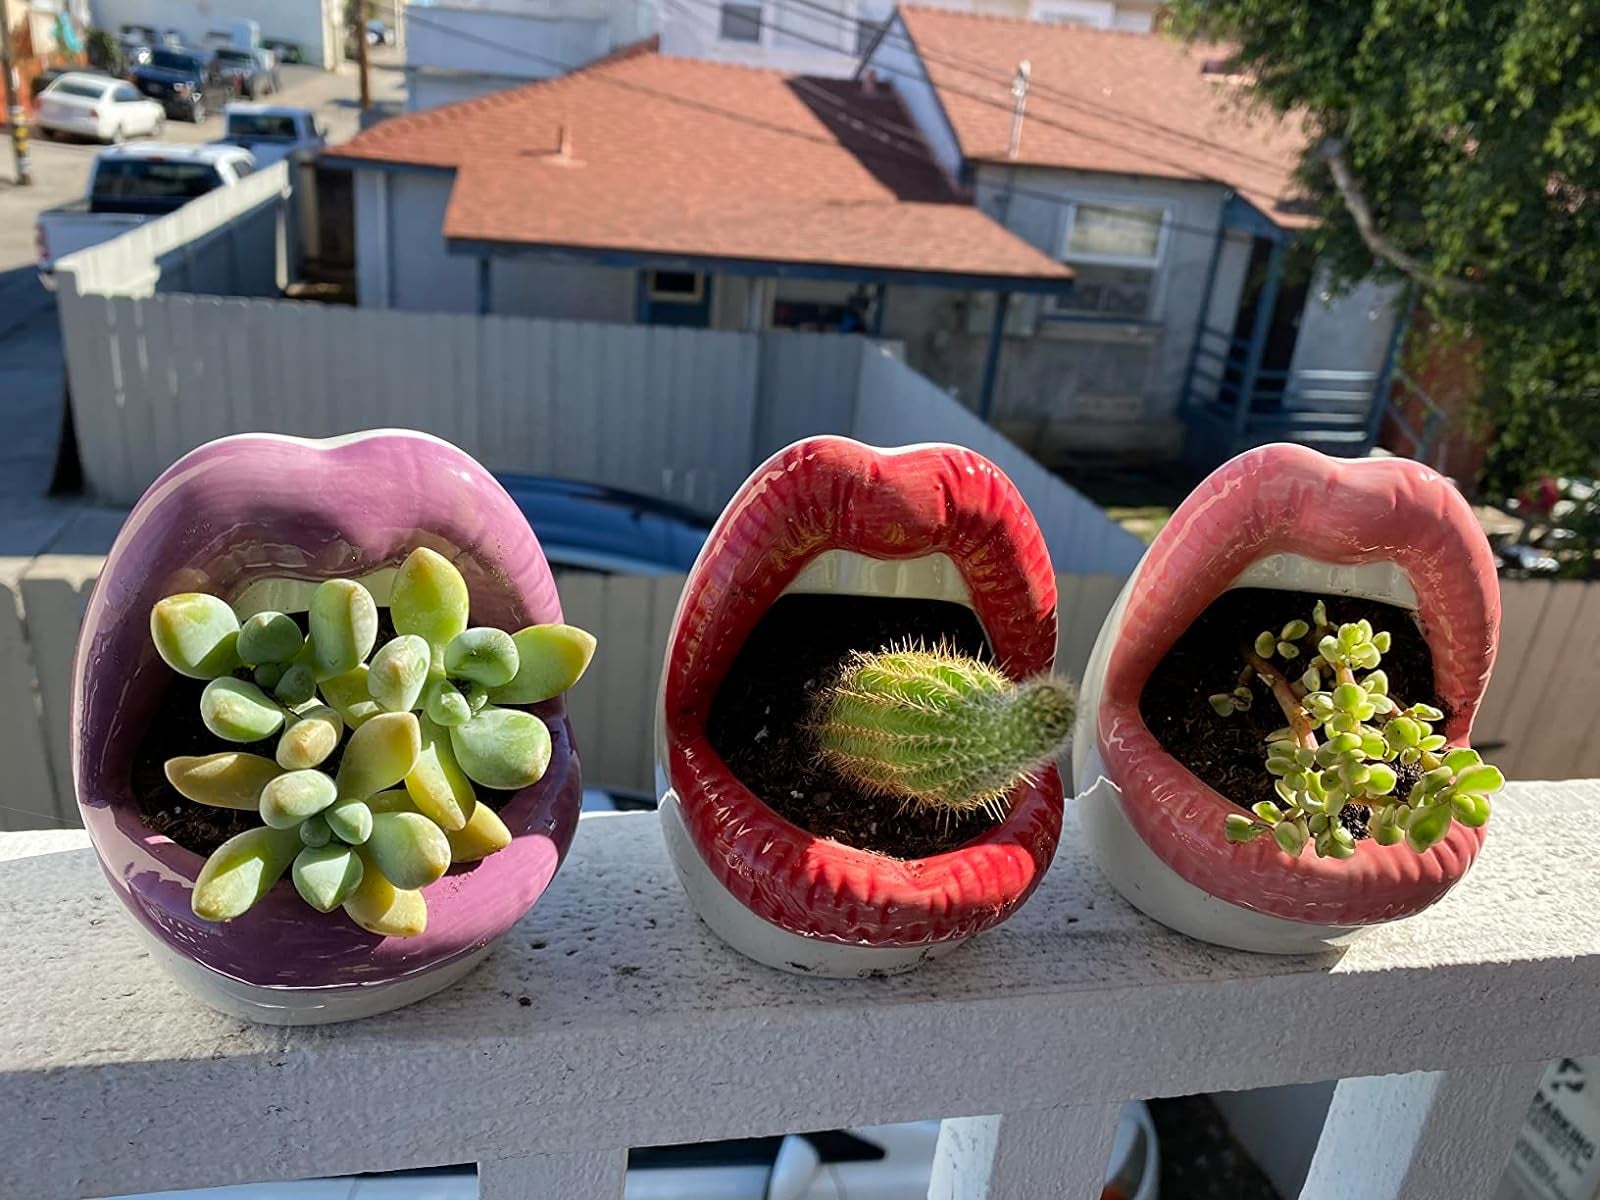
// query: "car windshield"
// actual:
[[266, 125], [132, 178], [77, 87], [237, 56], [169, 60]]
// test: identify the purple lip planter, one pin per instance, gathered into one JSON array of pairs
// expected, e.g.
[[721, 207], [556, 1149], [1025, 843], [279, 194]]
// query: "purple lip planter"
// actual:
[[258, 520]]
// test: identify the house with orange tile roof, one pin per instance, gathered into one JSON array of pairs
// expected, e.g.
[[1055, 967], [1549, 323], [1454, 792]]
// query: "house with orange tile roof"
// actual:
[[1078, 232], [1195, 317]]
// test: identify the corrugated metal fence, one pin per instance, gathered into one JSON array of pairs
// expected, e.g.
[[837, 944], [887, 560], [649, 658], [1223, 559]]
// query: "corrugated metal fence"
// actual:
[[1535, 722]]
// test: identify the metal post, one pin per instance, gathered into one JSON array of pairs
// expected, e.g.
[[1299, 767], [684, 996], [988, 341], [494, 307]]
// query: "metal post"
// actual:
[[1200, 325], [880, 302], [485, 287], [17, 123], [991, 360], [361, 54], [1380, 392], [1266, 302]]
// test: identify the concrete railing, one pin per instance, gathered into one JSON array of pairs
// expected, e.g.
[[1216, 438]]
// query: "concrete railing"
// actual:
[[609, 1018]]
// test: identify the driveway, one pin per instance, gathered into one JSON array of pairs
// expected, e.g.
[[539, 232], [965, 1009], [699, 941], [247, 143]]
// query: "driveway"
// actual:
[[31, 367]]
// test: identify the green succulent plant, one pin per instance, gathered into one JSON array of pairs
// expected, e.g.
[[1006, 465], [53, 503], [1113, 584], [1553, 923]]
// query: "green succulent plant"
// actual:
[[420, 719], [1344, 739], [939, 730]]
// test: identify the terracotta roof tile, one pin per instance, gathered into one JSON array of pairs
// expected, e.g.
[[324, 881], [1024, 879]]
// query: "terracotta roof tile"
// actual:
[[1103, 100], [687, 157]]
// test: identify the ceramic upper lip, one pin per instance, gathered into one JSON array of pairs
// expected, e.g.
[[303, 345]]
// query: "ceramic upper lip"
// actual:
[[831, 493], [258, 507], [1287, 499]]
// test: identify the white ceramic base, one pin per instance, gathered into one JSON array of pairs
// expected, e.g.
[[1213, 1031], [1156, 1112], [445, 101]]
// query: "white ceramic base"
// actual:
[[1134, 869], [756, 937], [305, 1006]]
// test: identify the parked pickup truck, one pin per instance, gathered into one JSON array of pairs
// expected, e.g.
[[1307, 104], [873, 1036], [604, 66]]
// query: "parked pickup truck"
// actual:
[[271, 131], [128, 186]]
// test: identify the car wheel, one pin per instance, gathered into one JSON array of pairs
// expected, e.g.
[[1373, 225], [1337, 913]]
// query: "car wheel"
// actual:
[[118, 135]]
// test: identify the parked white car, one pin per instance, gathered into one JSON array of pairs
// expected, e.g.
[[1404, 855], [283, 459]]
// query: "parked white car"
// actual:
[[98, 107]]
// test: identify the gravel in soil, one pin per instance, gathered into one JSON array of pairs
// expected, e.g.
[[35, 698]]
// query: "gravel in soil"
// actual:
[[760, 716], [1228, 753]]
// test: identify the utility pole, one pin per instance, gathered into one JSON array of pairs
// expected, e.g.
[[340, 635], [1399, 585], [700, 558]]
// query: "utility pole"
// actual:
[[361, 53], [1019, 95], [14, 118]]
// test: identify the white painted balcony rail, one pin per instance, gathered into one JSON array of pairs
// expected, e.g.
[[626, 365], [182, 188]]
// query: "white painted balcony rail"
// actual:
[[610, 1017]]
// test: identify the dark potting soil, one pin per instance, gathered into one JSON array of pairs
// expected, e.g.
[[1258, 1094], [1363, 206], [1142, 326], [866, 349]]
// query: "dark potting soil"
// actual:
[[1228, 753], [178, 730], [760, 717]]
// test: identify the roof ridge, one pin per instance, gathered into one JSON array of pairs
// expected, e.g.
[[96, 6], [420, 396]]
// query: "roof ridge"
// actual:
[[1057, 29]]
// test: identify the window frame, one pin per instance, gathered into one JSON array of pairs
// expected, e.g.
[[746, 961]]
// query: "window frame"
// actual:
[[760, 22], [1059, 308], [658, 296]]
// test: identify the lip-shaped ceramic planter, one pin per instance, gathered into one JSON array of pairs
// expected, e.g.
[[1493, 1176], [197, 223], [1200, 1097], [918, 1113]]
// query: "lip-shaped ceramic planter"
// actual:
[[831, 515], [1279, 516], [258, 520]]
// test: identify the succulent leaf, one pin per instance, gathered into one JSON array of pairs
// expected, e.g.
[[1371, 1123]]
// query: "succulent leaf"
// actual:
[[379, 754], [196, 635], [484, 655], [350, 820], [269, 637], [296, 685], [502, 748], [429, 598], [409, 849], [437, 784], [237, 711], [228, 779], [445, 705], [483, 834], [325, 876], [550, 659], [397, 672], [294, 796], [241, 871], [939, 729], [344, 625], [309, 737], [381, 908], [315, 831], [350, 698]]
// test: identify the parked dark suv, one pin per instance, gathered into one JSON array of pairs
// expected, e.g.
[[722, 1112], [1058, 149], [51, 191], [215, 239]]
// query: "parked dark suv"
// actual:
[[251, 73], [187, 83]]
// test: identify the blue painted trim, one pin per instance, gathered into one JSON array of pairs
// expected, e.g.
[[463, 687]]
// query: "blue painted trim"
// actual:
[[880, 302], [1205, 305], [1266, 304], [1239, 214], [485, 288], [644, 260], [386, 168], [991, 358]]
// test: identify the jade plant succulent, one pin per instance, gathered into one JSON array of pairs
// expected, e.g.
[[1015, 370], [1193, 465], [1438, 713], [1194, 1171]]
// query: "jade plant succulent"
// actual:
[[426, 717], [1349, 743], [940, 731]]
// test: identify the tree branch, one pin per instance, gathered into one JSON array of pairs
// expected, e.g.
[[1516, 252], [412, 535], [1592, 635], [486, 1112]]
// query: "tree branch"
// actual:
[[1332, 152]]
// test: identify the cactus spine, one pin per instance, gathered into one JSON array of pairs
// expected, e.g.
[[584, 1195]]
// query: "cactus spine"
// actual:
[[940, 730]]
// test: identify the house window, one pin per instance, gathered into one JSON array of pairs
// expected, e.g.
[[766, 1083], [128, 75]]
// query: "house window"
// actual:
[[741, 23], [676, 287], [1115, 252]]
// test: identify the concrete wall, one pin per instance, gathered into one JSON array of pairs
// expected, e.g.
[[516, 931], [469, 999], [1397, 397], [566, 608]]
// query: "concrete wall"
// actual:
[[430, 89], [795, 36], [312, 24]]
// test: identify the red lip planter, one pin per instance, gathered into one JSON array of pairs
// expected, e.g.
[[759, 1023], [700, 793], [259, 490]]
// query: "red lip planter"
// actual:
[[257, 522], [1275, 528], [831, 522]]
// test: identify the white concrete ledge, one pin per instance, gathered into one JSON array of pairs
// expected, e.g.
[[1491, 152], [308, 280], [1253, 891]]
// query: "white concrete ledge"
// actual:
[[612, 1018]]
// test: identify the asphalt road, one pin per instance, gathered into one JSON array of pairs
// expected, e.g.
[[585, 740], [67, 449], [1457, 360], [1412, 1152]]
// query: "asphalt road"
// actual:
[[31, 369]]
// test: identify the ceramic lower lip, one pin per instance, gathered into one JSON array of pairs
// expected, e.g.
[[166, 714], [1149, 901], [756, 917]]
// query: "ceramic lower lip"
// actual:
[[830, 494], [1286, 500]]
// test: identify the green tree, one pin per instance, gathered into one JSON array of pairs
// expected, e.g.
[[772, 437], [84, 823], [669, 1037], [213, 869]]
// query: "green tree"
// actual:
[[1456, 144]]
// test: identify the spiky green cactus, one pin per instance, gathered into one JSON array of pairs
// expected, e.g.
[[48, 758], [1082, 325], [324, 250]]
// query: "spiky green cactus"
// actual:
[[940, 730]]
